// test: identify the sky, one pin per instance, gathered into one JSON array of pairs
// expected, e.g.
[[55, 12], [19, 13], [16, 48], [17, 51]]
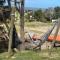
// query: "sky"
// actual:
[[42, 3]]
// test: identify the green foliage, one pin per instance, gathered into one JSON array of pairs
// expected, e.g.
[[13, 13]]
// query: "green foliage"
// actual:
[[44, 15], [49, 14], [56, 12], [38, 15]]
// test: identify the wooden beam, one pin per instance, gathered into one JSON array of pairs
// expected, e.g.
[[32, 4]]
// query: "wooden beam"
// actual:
[[22, 24], [11, 29]]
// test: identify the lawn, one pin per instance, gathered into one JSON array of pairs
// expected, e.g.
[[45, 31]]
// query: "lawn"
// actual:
[[35, 24], [33, 55], [37, 27]]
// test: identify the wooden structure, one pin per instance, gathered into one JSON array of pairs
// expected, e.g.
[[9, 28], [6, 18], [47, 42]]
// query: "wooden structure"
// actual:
[[56, 37], [7, 16], [4, 20]]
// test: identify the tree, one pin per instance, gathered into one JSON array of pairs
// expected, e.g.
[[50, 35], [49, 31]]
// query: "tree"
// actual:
[[22, 25], [11, 30], [56, 12], [38, 15], [49, 14]]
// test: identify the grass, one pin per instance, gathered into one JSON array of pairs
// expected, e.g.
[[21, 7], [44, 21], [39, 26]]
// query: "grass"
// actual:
[[35, 24], [32, 55]]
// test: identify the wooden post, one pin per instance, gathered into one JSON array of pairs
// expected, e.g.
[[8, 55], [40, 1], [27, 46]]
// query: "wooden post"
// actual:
[[22, 24], [11, 29], [57, 30], [55, 35]]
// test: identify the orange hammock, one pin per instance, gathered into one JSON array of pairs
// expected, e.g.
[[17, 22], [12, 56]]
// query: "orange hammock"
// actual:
[[50, 38]]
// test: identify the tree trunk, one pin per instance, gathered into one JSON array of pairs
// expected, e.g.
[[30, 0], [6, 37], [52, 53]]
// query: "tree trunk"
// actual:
[[22, 25], [11, 29], [57, 29], [56, 33]]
